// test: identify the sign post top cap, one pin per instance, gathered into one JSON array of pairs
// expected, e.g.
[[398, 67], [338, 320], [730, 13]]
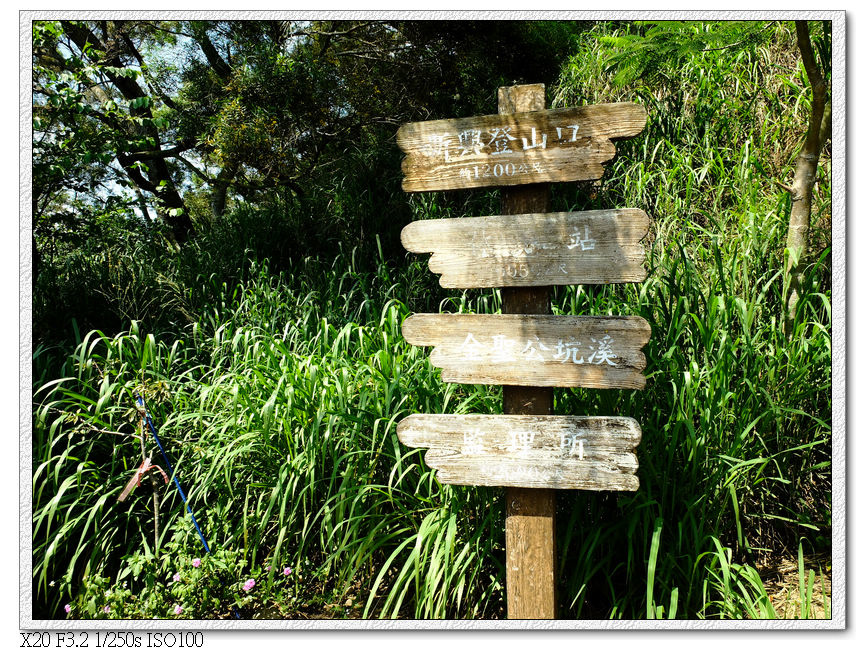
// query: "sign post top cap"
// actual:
[[522, 99]]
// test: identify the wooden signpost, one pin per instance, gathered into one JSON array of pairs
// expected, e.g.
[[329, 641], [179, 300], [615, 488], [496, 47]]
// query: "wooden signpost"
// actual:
[[531, 250], [525, 251]]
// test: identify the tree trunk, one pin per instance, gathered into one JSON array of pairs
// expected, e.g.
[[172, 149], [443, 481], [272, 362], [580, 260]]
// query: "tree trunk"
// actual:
[[220, 190], [157, 177], [819, 126], [180, 223]]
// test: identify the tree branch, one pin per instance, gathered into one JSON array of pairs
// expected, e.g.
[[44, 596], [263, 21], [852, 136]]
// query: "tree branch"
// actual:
[[145, 71], [220, 67], [318, 32], [194, 169], [154, 154], [803, 38]]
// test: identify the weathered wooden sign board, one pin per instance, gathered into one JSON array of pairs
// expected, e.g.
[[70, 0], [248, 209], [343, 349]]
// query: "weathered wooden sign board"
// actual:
[[534, 350], [526, 349], [534, 451], [568, 144], [522, 250]]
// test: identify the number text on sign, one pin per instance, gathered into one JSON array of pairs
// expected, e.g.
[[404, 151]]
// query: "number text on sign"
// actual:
[[556, 248], [539, 146]]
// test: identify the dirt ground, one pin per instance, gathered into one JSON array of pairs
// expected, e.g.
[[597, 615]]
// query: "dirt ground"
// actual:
[[782, 584]]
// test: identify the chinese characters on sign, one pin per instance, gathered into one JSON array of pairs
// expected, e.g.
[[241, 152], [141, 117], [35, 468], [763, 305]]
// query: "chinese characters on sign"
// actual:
[[555, 248], [541, 146], [519, 259], [502, 349], [528, 450], [571, 443], [534, 350], [527, 250], [496, 142], [499, 142]]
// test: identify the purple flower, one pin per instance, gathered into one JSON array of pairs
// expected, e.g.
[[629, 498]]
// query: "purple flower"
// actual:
[[178, 610], [249, 584], [286, 571], [196, 563], [106, 609], [267, 568], [176, 577], [68, 608]]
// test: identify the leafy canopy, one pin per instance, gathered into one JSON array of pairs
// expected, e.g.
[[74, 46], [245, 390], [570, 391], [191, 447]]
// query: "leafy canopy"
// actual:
[[655, 50]]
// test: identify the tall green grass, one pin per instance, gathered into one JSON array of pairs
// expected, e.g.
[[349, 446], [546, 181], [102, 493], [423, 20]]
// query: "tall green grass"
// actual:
[[735, 416], [280, 413], [278, 397]]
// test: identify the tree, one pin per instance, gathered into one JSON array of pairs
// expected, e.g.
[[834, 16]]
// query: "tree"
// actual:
[[91, 87], [255, 109], [819, 128]]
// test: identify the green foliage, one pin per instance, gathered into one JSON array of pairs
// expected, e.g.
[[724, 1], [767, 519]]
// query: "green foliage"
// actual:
[[320, 452], [655, 50], [735, 416], [181, 584], [256, 110], [99, 121], [270, 353]]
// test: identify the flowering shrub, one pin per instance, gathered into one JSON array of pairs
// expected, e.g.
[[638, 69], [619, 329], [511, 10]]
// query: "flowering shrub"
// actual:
[[217, 585]]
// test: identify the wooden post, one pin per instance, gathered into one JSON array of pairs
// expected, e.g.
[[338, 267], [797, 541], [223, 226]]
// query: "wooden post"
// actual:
[[530, 524]]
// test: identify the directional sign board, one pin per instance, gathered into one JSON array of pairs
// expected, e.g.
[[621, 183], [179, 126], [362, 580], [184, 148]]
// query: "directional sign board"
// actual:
[[559, 452], [568, 144], [534, 350], [520, 250]]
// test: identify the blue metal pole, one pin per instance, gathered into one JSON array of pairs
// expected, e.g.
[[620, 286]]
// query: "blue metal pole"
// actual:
[[143, 409]]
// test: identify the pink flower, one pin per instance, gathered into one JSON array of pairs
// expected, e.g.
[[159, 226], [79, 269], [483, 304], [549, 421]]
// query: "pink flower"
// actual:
[[286, 571], [68, 608], [249, 584], [106, 609], [196, 563], [178, 610], [176, 577], [267, 568]]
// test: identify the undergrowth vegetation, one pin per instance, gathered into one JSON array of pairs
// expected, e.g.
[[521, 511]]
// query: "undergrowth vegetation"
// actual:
[[276, 379]]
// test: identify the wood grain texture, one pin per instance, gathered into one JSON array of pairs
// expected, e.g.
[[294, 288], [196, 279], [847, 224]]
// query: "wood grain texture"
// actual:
[[534, 350], [556, 248], [522, 98], [568, 144], [530, 555], [530, 513], [532, 451]]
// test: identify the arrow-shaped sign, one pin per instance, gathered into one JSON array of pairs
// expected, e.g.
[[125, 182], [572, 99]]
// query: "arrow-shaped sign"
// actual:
[[522, 250], [534, 350], [566, 144], [555, 451]]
